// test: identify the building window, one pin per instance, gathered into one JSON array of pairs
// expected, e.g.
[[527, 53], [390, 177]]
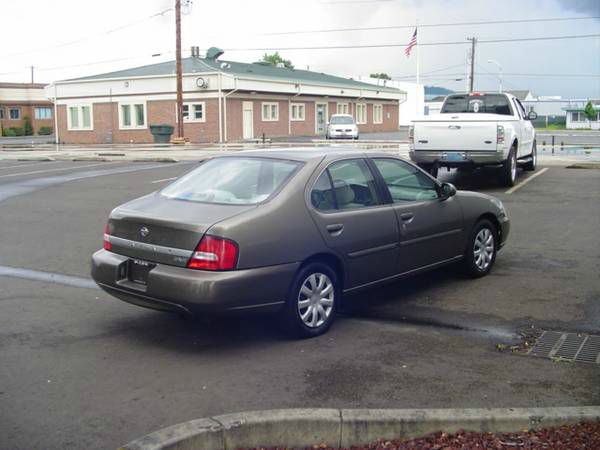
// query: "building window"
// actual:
[[132, 116], [194, 112], [361, 113], [42, 113], [79, 117], [577, 116], [1, 113], [270, 112], [14, 113], [298, 111], [377, 113], [342, 108]]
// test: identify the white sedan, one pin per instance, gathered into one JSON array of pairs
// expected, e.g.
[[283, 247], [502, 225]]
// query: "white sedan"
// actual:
[[342, 126]]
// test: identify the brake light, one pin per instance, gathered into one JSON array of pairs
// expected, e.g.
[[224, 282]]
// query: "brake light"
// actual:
[[107, 244], [214, 253], [500, 134], [476, 94], [411, 134]]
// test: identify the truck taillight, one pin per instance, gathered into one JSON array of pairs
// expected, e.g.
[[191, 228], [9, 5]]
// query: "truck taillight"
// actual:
[[107, 245], [500, 134], [411, 134], [214, 253]]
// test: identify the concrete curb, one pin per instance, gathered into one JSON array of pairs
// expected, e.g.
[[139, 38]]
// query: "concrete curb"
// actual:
[[347, 427]]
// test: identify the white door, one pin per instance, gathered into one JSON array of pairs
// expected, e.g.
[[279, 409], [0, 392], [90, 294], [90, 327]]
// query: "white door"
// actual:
[[320, 118], [247, 120]]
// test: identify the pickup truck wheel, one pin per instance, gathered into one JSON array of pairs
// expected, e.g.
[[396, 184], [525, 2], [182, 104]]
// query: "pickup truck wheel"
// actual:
[[531, 165], [431, 169], [312, 301], [508, 172], [482, 246]]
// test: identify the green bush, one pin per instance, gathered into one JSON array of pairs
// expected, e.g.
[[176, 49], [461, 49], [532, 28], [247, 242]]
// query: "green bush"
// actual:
[[17, 131], [45, 131], [8, 132], [27, 127]]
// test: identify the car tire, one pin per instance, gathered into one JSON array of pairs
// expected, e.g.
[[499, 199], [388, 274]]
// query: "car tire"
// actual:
[[531, 165], [306, 315], [356, 138], [481, 250], [508, 172]]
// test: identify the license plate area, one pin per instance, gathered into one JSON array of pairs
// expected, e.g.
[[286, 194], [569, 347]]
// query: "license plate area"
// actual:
[[138, 270], [454, 156]]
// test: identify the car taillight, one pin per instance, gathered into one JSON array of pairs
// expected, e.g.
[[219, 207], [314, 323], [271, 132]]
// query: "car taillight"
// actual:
[[107, 244], [500, 134], [411, 134], [214, 253]]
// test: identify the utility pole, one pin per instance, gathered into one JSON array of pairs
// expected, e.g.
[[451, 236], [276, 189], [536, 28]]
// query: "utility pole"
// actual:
[[472, 74], [178, 69], [31, 74]]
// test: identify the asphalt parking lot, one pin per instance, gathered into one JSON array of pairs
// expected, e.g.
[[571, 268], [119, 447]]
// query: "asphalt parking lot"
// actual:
[[79, 369]]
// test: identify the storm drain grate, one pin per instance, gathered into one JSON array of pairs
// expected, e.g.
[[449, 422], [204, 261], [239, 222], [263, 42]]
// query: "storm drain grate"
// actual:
[[568, 347]]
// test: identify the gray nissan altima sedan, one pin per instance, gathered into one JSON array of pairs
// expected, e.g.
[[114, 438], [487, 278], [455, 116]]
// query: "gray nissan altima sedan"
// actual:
[[292, 231]]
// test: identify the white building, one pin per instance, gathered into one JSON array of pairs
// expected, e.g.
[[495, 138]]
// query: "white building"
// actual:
[[413, 104]]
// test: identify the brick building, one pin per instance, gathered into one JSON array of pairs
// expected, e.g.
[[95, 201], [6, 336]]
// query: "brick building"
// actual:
[[20, 100], [223, 101]]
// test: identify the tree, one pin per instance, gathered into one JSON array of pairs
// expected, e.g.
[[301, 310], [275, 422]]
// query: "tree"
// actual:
[[590, 112], [380, 76], [276, 58]]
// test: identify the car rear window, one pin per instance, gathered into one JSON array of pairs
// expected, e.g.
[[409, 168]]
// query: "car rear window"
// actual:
[[486, 103], [232, 181], [341, 120]]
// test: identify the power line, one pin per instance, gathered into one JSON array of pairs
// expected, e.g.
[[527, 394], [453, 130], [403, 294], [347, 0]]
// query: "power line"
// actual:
[[93, 36], [423, 44], [427, 25]]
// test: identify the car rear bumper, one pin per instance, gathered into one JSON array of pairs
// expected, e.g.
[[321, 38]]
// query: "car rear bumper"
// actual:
[[442, 158], [342, 135], [178, 289]]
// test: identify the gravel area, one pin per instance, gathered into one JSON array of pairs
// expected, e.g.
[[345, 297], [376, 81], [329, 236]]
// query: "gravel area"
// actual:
[[569, 437]]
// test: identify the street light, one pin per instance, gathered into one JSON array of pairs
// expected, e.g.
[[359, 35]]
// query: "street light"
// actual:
[[493, 61]]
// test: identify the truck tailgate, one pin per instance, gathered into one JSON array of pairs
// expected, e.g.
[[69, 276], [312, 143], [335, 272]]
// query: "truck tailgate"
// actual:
[[456, 135]]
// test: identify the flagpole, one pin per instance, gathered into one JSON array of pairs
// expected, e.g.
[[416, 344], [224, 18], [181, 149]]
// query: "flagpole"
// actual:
[[418, 52]]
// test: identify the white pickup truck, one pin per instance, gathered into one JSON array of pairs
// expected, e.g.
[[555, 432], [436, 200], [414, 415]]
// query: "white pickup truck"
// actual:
[[474, 130]]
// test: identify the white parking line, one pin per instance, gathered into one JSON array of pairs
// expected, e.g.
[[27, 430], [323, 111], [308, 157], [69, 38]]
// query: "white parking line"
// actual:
[[57, 170], [163, 180], [524, 182]]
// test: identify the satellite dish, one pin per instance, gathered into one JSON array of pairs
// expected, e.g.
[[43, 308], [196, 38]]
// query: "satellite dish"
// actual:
[[225, 65]]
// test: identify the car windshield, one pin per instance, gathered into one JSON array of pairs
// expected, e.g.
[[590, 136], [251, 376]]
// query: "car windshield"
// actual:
[[234, 181], [486, 103], [342, 120]]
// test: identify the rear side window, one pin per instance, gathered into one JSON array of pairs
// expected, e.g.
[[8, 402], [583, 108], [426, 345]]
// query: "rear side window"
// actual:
[[233, 181], [322, 196], [353, 184], [486, 103]]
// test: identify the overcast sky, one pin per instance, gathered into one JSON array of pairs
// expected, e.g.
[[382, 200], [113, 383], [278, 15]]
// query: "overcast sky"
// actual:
[[70, 38]]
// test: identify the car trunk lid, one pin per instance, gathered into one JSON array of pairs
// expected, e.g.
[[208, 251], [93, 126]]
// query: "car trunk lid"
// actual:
[[163, 230]]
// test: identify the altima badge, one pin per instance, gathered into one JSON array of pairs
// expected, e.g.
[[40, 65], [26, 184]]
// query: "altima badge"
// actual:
[[144, 231]]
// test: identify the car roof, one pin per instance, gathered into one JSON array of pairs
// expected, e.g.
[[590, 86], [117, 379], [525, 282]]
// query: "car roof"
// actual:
[[311, 153]]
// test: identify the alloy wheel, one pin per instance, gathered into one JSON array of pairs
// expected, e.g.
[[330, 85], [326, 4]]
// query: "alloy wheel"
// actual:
[[483, 249], [315, 300]]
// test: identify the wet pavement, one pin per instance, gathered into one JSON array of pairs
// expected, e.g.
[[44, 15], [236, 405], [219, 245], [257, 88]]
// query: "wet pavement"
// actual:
[[80, 369]]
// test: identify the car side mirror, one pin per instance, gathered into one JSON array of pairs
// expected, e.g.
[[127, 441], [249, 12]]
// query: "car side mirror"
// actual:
[[447, 190], [532, 115]]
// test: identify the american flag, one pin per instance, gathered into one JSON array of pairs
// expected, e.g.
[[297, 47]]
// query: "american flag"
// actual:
[[411, 44]]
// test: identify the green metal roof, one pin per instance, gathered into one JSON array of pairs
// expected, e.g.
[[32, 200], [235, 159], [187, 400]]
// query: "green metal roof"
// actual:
[[251, 70]]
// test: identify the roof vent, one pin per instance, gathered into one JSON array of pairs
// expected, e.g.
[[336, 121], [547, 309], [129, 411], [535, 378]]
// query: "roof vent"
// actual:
[[214, 53], [195, 51]]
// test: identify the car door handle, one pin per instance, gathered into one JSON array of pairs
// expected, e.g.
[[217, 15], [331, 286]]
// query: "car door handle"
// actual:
[[407, 217], [335, 228]]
